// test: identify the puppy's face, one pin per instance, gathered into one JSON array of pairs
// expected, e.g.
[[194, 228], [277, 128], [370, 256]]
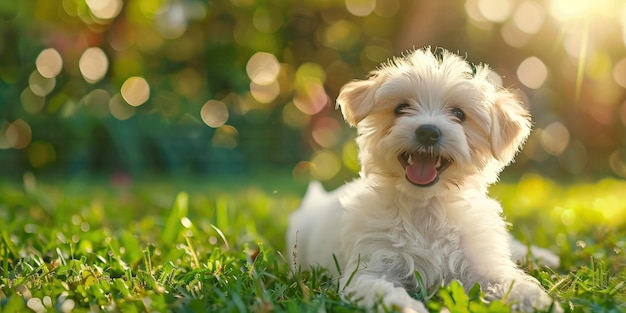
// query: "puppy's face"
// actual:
[[430, 123]]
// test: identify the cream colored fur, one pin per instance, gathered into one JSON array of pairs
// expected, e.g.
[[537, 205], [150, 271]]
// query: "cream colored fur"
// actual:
[[383, 228]]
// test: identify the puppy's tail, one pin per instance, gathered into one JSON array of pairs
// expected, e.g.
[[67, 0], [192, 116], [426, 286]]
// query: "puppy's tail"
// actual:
[[312, 235], [302, 222], [316, 197], [315, 193]]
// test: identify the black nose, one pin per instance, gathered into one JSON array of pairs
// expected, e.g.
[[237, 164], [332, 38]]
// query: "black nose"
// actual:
[[428, 135]]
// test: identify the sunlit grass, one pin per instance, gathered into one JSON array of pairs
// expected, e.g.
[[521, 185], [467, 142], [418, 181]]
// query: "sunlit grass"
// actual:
[[201, 247]]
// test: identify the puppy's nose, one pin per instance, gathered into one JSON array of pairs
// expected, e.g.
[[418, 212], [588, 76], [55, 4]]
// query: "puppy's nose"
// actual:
[[428, 135]]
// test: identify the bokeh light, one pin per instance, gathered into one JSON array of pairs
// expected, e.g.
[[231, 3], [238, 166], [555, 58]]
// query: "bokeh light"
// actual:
[[226, 136], [473, 12], [275, 70], [513, 36], [119, 108], [105, 9], [311, 98], [171, 22], [97, 102], [495, 10], [529, 16], [135, 91], [574, 42], [325, 132], [49, 63], [326, 165], [31, 102], [360, 7], [310, 72], [532, 72], [93, 64], [18, 134], [554, 138], [310, 95], [263, 68], [265, 93], [41, 85], [214, 113], [341, 35]]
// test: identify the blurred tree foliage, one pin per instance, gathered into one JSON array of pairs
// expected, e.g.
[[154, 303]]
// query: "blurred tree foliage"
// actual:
[[241, 86]]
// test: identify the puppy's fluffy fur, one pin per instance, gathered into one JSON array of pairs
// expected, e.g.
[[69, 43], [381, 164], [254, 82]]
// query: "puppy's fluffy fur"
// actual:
[[433, 133]]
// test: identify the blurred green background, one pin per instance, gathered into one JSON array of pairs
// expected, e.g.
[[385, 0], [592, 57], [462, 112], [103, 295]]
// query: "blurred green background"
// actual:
[[243, 88]]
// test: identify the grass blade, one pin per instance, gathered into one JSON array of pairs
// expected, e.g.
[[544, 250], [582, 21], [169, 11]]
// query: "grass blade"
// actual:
[[172, 225]]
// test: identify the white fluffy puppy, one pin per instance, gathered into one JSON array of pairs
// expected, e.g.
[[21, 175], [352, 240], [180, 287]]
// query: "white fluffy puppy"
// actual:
[[433, 133]]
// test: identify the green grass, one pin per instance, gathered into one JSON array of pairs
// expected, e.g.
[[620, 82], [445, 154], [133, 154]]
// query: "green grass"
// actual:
[[196, 247]]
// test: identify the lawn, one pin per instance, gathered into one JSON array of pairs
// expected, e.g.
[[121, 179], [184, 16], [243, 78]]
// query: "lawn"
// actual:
[[199, 246]]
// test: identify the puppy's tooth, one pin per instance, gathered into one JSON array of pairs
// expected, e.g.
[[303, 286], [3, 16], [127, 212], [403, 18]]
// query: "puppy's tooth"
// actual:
[[409, 160]]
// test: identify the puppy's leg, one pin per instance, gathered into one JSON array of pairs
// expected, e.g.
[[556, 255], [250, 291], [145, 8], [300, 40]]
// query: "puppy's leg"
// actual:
[[487, 248], [500, 280], [523, 293], [376, 277], [370, 290]]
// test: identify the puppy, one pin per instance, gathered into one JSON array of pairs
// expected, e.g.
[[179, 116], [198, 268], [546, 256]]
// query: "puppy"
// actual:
[[433, 133]]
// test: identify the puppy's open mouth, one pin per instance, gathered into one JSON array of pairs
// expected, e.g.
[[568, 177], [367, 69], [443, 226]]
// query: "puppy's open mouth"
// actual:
[[423, 169]]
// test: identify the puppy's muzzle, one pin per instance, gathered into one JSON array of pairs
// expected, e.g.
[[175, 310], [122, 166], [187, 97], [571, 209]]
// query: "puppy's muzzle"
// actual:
[[428, 135], [423, 167]]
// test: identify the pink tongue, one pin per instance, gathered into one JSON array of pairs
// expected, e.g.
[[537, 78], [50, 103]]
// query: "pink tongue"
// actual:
[[423, 170]]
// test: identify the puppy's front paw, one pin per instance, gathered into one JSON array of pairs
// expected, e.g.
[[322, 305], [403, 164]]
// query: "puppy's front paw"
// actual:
[[527, 296], [383, 295], [399, 298]]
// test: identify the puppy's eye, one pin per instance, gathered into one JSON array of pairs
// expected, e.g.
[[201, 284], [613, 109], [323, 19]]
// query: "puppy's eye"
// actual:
[[458, 113], [401, 109]]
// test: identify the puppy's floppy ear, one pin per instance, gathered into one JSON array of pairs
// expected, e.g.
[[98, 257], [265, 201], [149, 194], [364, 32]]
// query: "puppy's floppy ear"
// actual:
[[356, 99], [510, 126]]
